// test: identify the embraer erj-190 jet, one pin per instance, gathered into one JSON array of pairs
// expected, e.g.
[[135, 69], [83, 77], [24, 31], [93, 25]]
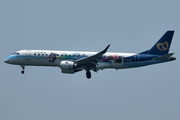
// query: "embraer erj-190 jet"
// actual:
[[75, 61]]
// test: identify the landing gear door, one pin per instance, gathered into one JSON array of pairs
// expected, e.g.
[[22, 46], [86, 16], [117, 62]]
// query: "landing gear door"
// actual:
[[28, 54]]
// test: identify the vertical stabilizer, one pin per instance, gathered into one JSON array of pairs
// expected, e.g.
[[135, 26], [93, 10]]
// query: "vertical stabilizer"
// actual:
[[163, 45]]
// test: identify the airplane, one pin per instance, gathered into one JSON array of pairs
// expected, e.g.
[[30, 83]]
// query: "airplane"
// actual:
[[71, 62]]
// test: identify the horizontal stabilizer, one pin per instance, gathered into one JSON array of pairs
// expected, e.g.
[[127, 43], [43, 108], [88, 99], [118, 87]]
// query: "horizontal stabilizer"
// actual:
[[164, 57]]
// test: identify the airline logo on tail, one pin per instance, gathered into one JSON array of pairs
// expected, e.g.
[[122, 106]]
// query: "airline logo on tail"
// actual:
[[164, 46]]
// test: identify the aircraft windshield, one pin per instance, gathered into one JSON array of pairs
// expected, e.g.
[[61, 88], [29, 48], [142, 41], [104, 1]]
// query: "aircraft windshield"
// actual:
[[15, 53]]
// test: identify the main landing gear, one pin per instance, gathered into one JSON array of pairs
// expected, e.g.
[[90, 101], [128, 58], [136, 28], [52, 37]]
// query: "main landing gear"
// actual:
[[23, 67], [88, 74]]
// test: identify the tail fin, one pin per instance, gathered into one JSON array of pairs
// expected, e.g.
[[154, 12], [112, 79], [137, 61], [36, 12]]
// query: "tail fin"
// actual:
[[163, 45]]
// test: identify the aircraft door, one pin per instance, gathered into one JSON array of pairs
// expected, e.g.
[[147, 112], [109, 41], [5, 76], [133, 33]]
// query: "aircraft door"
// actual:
[[28, 54], [136, 58]]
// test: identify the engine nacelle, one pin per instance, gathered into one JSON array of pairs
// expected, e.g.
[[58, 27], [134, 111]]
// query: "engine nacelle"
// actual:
[[68, 67]]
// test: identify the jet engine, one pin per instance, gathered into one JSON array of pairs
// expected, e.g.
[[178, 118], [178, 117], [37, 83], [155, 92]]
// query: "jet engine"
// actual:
[[68, 67]]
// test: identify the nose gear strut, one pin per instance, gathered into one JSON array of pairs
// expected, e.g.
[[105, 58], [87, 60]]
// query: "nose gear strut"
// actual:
[[23, 67]]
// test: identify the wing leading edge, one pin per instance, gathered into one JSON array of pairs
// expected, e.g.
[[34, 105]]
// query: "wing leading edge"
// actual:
[[90, 63]]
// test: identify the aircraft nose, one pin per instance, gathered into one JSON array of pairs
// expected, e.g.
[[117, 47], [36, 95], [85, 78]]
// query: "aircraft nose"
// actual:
[[7, 60]]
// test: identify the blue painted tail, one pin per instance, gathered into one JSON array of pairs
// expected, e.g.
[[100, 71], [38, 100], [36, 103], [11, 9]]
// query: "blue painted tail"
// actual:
[[163, 45]]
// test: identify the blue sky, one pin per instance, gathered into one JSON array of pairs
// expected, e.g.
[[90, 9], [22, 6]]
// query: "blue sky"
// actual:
[[150, 92]]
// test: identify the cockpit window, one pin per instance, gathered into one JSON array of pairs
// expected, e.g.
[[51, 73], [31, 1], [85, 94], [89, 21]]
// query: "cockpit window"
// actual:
[[15, 53]]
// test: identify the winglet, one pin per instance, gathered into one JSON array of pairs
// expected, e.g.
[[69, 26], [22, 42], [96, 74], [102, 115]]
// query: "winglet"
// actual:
[[104, 51]]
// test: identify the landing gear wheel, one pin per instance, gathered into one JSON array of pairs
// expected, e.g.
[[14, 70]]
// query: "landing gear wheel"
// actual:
[[88, 74], [22, 71]]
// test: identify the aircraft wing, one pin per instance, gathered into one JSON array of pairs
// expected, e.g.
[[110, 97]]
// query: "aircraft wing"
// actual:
[[91, 62]]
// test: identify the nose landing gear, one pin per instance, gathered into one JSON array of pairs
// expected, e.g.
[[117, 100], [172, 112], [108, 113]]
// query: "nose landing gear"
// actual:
[[23, 67]]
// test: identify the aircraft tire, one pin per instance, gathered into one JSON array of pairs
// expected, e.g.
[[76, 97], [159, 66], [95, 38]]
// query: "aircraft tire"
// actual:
[[22, 72], [88, 74]]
